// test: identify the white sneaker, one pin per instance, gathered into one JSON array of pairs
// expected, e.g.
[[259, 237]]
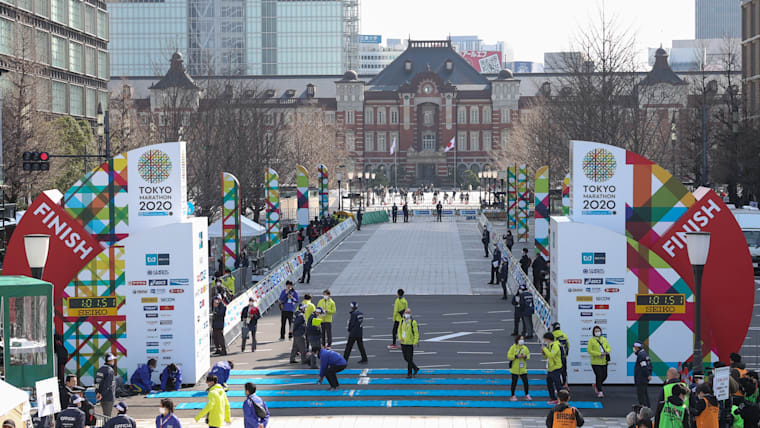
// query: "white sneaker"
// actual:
[[600, 394], [528, 398]]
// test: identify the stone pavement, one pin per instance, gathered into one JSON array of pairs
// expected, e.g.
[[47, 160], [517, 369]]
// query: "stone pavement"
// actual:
[[423, 257], [400, 421]]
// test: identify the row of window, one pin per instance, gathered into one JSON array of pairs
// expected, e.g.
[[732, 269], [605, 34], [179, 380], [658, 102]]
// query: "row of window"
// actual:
[[472, 141], [78, 15], [73, 99], [382, 114]]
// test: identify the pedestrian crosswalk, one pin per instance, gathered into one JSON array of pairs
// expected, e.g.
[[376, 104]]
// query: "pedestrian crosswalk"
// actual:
[[379, 388]]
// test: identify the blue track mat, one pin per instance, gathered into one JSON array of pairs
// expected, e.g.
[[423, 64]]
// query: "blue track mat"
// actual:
[[385, 381], [357, 393], [404, 403], [295, 372]]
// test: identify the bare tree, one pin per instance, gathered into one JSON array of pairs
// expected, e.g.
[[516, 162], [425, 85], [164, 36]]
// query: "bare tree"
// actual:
[[310, 140], [130, 128]]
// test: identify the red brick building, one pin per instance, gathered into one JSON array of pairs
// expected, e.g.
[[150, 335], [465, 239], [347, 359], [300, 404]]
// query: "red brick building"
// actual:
[[425, 98]]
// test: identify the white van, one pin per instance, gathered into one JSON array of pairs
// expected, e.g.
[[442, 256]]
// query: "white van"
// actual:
[[749, 222]]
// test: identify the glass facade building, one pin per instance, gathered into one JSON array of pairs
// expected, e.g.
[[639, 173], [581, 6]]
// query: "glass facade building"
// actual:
[[238, 37], [67, 40], [717, 19]]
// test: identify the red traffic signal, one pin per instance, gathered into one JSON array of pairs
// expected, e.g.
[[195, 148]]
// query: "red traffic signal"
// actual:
[[43, 156], [36, 161]]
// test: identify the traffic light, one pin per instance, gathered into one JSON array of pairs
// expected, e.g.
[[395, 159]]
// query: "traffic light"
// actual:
[[36, 161]]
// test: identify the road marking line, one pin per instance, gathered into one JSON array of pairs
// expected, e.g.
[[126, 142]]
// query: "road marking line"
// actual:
[[435, 365], [475, 352], [455, 313], [351, 393], [492, 329], [363, 381], [496, 362], [448, 336], [364, 373], [497, 312], [465, 341], [437, 332], [389, 403], [381, 335], [464, 322]]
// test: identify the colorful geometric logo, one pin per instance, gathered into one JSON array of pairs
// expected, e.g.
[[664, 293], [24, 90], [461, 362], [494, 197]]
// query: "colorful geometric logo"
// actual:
[[154, 166], [599, 165]]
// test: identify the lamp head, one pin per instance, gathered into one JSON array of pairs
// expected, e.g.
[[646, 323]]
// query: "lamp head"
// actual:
[[698, 246], [36, 247]]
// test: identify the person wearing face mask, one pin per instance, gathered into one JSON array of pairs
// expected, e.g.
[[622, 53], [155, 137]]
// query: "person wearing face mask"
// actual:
[[706, 409], [518, 357], [313, 335], [299, 333], [553, 354], [564, 345], [642, 373], [355, 333], [167, 418], [328, 305], [399, 306], [410, 336], [217, 408], [674, 413], [249, 320], [122, 419], [599, 350]]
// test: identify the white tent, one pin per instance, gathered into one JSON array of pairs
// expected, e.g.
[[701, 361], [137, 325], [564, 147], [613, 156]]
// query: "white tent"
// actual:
[[251, 229], [14, 405]]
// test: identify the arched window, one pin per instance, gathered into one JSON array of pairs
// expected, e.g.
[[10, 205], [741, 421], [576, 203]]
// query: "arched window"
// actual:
[[381, 115], [486, 114], [474, 115], [394, 116], [369, 115], [462, 115]]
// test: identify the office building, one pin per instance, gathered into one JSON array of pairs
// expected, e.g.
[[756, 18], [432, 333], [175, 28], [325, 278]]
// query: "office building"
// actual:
[[716, 19], [66, 41], [693, 55], [373, 56], [235, 37], [751, 54]]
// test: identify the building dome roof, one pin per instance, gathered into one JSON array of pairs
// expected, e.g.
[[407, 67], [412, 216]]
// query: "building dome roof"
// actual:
[[660, 52], [505, 74], [350, 75]]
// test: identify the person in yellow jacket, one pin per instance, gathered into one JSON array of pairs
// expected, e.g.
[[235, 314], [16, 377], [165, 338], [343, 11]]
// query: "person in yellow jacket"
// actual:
[[328, 304], [217, 409], [409, 335], [553, 354], [599, 349], [518, 356], [399, 306], [229, 281], [309, 307]]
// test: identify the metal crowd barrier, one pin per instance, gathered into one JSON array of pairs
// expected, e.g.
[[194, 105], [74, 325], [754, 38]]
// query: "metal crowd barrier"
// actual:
[[542, 312]]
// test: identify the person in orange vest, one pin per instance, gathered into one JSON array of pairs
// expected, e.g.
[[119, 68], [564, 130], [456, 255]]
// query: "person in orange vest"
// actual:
[[562, 415], [738, 368], [706, 407]]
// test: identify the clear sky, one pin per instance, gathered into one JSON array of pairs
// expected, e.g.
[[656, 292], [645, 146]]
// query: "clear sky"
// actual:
[[531, 27]]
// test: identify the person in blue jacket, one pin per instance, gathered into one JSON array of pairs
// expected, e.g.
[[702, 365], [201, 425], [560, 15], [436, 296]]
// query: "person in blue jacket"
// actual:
[[288, 304], [250, 405], [330, 364], [167, 418], [222, 371], [171, 378], [140, 379]]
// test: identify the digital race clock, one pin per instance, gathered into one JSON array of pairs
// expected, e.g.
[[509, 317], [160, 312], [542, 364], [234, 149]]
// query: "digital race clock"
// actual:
[[660, 303], [92, 306]]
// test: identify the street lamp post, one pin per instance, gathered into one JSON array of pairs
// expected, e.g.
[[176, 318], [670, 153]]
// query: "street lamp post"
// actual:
[[673, 137], [372, 190], [340, 192], [698, 246], [360, 175], [350, 195], [104, 132], [480, 186], [36, 247]]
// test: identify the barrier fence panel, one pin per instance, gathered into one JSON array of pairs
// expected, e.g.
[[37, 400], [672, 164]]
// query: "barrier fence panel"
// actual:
[[542, 318]]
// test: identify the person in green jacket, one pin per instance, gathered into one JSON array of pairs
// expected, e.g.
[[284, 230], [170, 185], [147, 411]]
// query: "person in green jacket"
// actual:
[[673, 412], [564, 344], [309, 306], [328, 304], [553, 355], [599, 349], [399, 306], [518, 356], [229, 281], [410, 336], [217, 409]]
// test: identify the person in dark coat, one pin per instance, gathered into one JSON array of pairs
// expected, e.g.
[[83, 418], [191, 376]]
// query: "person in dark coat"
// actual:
[[510, 240], [355, 333], [359, 217], [486, 239], [67, 389], [525, 261], [394, 212], [217, 325], [140, 380], [61, 356], [308, 260], [439, 211], [299, 336], [72, 416], [526, 311], [171, 378], [503, 277], [288, 304], [249, 319], [405, 210], [314, 335], [105, 384], [495, 263], [642, 373], [539, 269], [121, 420]]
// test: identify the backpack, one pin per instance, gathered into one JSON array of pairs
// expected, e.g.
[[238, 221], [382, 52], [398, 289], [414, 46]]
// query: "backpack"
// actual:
[[261, 412]]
